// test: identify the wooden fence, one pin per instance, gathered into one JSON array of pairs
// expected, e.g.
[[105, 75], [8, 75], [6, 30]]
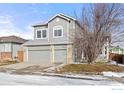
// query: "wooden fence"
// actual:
[[20, 56]]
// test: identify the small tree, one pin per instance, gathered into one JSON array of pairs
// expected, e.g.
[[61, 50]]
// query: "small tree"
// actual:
[[97, 23]]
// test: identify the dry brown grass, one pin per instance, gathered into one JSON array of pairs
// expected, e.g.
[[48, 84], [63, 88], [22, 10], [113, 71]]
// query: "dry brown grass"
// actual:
[[7, 62], [80, 68]]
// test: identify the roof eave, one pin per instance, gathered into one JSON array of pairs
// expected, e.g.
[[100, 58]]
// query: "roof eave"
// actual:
[[39, 25], [67, 16]]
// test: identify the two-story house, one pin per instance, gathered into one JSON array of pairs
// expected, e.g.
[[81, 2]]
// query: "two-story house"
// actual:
[[52, 41], [116, 50]]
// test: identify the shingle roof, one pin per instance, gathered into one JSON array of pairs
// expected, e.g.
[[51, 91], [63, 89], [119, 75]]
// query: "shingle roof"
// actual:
[[13, 39]]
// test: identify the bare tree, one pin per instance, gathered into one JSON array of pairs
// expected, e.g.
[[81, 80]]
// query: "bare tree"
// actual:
[[97, 23]]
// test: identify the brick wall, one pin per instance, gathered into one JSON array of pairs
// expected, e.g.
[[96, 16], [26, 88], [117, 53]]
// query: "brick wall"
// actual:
[[6, 55], [20, 56]]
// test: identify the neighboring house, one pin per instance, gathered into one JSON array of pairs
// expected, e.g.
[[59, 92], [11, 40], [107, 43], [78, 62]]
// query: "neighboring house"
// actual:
[[105, 50], [9, 46], [52, 41], [116, 53], [116, 50]]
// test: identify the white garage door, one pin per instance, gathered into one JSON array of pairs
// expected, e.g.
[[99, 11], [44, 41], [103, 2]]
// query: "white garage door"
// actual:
[[60, 56], [39, 56]]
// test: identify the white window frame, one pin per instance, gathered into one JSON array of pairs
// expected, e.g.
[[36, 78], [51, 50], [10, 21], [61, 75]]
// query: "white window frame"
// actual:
[[46, 34], [41, 33], [54, 28], [36, 33]]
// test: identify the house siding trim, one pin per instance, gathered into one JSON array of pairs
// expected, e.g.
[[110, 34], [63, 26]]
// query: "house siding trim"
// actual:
[[26, 54], [48, 31], [68, 28], [69, 54], [52, 54]]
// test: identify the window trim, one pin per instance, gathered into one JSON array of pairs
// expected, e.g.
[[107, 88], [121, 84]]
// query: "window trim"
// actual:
[[41, 33], [54, 28], [36, 33]]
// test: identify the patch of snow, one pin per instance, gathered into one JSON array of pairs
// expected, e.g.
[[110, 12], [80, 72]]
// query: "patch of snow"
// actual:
[[53, 68], [113, 74], [76, 76], [121, 65], [88, 77], [12, 79], [113, 62]]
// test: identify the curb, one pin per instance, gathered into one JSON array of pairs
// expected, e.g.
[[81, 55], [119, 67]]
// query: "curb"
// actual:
[[70, 76]]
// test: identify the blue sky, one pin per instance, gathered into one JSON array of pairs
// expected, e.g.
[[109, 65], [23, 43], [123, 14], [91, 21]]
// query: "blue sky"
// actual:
[[16, 19]]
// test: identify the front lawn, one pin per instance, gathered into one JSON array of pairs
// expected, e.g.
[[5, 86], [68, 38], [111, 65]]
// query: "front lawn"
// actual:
[[81, 68]]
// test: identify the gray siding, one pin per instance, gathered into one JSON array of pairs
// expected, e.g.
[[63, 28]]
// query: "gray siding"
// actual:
[[15, 48], [10, 47], [62, 22], [68, 30], [60, 46], [39, 48], [5, 47], [72, 29], [37, 28]]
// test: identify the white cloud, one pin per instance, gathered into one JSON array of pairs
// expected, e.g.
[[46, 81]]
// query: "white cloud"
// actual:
[[35, 9], [7, 28], [5, 19]]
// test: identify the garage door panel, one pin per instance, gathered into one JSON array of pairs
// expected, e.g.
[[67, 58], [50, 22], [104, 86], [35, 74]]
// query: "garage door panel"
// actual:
[[60, 56], [39, 56]]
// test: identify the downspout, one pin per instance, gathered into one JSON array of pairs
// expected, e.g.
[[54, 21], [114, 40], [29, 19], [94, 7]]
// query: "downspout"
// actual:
[[67, 59], [68, 29], [11, 50]]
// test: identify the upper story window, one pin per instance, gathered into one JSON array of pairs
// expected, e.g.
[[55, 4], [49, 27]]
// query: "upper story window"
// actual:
[[38, 34], [44, 33], [41, 34], [58, 31]]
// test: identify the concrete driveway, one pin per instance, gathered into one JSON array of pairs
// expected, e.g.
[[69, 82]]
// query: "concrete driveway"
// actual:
[[23, 65]]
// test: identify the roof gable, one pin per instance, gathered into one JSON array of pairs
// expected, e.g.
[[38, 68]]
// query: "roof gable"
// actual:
[[62, 16], [68, 18], [12, 39]]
